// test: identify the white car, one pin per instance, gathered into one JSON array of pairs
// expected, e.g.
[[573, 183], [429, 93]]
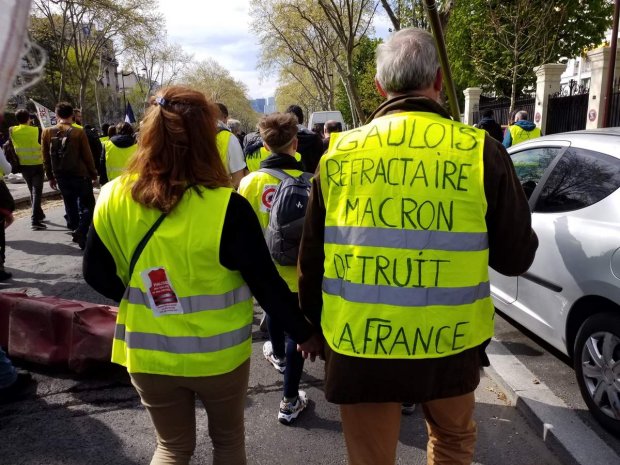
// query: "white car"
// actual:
[[570, 296]]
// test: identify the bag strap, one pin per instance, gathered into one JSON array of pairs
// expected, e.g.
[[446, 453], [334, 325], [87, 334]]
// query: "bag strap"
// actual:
[[142, 244], [282, 175]]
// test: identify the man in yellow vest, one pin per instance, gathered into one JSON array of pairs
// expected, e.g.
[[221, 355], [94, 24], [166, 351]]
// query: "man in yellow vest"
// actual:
[[26, 141], [230, 148], [405, 216], [279, 134], [521, 130]]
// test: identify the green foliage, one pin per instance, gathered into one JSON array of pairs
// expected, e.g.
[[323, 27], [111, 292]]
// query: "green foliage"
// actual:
[[364, 70], [495, 44]]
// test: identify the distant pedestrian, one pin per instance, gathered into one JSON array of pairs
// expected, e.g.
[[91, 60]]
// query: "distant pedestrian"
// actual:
[[70, 168], [229, 148], [235, 127], [26, 142], [521, 131], [329, 128], [116, 152], [492, 127], [184, 253], [7, 206], [310, 144]]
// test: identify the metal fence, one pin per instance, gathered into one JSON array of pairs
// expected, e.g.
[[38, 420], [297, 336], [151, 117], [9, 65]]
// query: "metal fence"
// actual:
[[501, 107], [568, 109]]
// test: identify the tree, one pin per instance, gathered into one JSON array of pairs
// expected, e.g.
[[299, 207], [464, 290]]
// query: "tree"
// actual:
[[411, 13], [497, 43], [292, 47], [218, 85], [82, 30]]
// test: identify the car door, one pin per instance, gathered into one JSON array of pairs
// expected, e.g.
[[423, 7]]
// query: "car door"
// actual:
[[531, 163], [569, 216]]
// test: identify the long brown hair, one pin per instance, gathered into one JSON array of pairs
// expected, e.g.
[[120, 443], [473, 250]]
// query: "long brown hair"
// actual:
[[176, 149]]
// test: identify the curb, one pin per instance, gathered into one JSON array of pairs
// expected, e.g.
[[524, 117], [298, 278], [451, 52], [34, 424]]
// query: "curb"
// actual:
[[560, 427], [20, 201]]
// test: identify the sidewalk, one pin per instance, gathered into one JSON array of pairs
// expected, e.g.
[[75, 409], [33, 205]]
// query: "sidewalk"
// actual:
[[20, 193], [98, 418]]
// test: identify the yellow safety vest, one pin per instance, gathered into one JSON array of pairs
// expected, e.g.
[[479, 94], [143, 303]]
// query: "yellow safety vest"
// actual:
[[104, 139], [116, 158], [519, 134], [222, 139], [254, 159], [209, 330], [406, 246], [258, 188], [25, 139]]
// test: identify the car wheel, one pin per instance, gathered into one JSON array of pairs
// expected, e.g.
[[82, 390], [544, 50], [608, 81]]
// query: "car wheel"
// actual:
[[597, 365]]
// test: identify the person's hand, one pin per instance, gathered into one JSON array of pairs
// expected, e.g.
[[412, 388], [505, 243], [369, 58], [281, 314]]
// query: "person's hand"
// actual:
[[53, 184], [312, 348], [8, 220]]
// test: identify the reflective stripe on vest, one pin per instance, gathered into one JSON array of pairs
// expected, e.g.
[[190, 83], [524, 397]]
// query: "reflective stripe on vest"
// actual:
[[212, 334], [519, 134], [116, 158], [26, 143], [183, 344], [406, 245]]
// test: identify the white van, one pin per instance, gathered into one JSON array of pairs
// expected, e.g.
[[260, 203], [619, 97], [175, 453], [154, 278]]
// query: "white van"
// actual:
[[321, 117]]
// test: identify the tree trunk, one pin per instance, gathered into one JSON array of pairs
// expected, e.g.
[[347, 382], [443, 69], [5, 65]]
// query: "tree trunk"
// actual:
[[388, 9]]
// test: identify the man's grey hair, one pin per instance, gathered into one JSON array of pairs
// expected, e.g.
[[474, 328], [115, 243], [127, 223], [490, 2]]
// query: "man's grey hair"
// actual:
[[521, 116], [408, 61], [234, 125]]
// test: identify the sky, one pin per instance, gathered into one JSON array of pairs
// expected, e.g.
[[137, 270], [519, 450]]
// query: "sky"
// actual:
[[222, 31]]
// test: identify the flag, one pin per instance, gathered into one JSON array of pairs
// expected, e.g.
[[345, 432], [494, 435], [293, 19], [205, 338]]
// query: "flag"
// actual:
[[46, 117], [129, 116]]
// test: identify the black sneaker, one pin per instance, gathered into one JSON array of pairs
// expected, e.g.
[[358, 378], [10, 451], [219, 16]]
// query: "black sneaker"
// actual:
[[4, 275], [22, 388], [38, 226]]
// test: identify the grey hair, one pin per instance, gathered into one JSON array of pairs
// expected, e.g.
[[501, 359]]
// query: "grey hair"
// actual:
[[521, 116], [234, 125], [407, 61]]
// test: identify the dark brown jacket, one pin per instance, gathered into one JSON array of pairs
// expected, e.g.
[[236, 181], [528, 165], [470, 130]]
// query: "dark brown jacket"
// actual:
[[512, 245], [78, 147]]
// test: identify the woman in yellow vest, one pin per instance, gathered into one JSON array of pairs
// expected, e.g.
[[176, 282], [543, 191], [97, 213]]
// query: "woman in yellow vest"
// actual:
[[184, 253], [279, 134], [117, 151]]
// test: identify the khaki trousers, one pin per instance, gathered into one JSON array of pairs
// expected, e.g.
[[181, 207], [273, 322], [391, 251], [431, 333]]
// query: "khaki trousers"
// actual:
[[371, 431], [171, 403]]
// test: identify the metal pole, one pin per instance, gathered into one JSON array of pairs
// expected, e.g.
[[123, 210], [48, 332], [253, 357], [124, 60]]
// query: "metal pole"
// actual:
[[612, 67], [433, 16], [124, 99]]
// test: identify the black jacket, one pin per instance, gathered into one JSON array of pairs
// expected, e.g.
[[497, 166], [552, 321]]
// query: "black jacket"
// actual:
[[491, 126]]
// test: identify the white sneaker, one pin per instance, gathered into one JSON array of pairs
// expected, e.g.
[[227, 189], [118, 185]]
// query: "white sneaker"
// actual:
[[277, 362], [289, 411]]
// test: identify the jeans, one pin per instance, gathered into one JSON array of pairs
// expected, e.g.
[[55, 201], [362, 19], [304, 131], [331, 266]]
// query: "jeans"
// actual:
[[371, 431], [8, 375], [77, 194], [171, 403], [294, 360], [33, 175], [2, 243]]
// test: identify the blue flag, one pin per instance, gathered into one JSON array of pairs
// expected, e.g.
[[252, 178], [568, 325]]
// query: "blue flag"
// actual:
[[129, 116]]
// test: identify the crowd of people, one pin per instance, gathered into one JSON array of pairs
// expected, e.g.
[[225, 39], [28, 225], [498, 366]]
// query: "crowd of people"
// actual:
[[353, 256]]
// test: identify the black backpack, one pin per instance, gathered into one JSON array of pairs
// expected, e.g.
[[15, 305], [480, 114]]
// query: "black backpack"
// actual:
[[60, 155], [286, 216]]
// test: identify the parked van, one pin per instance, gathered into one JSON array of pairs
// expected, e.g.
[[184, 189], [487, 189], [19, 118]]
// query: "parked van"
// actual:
[[321, 117]]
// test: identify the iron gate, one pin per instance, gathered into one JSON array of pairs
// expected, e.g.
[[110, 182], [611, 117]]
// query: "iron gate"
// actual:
[[501, 107], [567, 109], [614, 111]]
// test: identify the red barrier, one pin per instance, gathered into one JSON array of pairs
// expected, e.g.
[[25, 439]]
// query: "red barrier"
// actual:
[[54, 331]]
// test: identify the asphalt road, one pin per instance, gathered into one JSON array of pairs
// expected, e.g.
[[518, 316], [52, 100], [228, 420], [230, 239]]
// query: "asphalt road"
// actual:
[[97, 418], [552, 368]]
